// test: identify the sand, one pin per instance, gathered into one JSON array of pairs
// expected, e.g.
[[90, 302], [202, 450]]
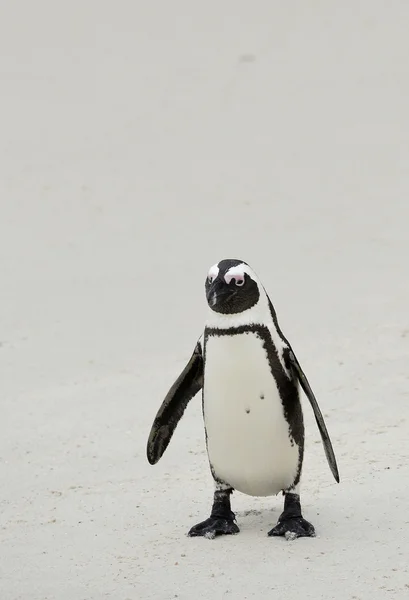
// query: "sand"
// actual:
[[141, 142]]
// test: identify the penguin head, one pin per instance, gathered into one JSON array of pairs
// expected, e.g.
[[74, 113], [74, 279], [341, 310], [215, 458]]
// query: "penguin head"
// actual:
[[231, 287]]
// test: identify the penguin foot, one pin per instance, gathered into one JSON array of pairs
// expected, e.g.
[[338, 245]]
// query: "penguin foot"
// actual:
[[291, 523], [292, 528], [214, 526]]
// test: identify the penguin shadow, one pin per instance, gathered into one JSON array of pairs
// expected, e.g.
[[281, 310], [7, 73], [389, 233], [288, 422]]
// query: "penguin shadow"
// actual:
[[257, 519]]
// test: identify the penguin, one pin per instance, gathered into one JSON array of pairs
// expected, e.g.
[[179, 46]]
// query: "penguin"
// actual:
[[250, 380]]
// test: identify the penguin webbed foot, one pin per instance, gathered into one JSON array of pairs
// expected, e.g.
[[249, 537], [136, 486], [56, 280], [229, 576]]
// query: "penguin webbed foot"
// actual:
[[292, 528], [291, 524], [222, 520], [214, 526]]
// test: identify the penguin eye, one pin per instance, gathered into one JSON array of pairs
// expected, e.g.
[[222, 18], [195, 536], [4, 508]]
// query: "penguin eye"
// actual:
[[212, 274], [239, 280]]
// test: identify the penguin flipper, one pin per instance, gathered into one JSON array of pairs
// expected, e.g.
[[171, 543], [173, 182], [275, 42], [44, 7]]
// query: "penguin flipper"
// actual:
[[329, 451], [186, 386]]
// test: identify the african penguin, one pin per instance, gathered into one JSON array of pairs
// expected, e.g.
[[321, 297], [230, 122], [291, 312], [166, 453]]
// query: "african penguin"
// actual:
[[252, 412]]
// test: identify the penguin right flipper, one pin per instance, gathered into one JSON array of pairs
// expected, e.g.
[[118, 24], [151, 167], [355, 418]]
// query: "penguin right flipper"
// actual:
[[329, 451], [186, 386]]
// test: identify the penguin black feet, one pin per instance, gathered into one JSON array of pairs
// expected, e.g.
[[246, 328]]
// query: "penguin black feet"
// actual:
[[221, 520], [214, 526], [292, 528], [291, 523]]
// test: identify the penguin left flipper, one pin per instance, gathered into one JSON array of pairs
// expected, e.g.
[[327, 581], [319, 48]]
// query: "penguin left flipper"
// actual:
[[186, 386], [329, 451]]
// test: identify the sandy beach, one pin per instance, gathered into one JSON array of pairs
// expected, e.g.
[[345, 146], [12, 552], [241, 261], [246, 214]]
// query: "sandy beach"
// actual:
[[140, 143]]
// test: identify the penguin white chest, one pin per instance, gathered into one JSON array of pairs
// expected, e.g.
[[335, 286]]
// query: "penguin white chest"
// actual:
[[248, 439]]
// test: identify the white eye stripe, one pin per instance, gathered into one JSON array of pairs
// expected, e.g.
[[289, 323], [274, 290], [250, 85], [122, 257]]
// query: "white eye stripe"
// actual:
[[213, 273]]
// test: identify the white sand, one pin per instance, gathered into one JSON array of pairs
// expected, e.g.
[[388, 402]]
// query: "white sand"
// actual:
[[140, 142]]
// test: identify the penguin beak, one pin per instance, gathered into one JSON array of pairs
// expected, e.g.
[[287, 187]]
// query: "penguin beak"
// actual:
[[216, 292]]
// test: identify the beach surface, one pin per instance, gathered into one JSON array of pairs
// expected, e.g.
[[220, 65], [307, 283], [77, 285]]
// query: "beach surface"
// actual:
[[140, 143]]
